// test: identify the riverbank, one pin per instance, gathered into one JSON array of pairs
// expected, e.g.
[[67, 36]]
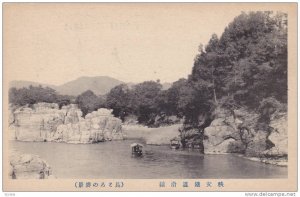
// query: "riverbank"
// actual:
[[277, 162], [151, 136]]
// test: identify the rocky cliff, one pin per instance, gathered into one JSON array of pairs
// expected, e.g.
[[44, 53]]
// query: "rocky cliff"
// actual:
[[46, 122], [224, 135], [240, 131], [96, 127]]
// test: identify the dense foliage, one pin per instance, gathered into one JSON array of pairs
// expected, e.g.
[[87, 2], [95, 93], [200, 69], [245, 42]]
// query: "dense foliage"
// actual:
[[247, 64], [32, 95], [88, 102], [140, 100]]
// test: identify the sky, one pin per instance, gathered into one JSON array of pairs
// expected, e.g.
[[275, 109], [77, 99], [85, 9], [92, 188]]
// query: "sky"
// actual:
[[57, 43]]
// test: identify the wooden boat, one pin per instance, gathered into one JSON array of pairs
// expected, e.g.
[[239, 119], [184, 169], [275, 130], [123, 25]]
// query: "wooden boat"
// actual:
[[136, 149], [175, 144]]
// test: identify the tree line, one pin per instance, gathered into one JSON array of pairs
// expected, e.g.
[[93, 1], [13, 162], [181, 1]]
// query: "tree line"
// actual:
[[145, 100]]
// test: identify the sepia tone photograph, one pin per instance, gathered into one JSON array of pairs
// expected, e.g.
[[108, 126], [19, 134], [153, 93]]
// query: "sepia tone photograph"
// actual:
[[98, 96]]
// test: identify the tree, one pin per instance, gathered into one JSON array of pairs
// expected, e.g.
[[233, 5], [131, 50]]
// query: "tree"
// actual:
[[195, 101], [173, 97], [143, 97], [119, 99], [87, 102], [63, 100]]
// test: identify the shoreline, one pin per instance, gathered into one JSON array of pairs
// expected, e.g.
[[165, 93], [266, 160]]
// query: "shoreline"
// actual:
[[151, 136], [161, 136], [144, 133], [279, 163]]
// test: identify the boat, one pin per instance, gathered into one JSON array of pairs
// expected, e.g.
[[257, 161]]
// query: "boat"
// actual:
[[136, 149], [175, 143]]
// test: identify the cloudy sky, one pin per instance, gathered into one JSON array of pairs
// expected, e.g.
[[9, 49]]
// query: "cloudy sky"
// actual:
[[56, 43]]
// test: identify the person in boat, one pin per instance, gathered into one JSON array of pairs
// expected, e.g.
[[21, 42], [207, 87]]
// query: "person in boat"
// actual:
[[175, 143], [136, 149]]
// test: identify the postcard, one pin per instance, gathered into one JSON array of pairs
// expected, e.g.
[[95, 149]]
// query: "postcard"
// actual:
[[150, 97]]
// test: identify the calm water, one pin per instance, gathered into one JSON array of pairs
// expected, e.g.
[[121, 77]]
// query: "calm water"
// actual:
[[113, 160]]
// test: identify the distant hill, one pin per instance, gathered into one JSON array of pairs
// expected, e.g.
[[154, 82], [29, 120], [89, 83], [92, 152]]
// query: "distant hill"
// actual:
[[99, 85]]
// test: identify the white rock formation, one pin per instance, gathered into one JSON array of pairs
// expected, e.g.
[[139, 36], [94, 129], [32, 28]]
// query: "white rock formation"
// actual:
[[46, 122]]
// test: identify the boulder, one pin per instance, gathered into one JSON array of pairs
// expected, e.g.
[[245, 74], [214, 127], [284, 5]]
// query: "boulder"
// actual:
[[222, 133], [217, 139], [27, 166], [222, 147]]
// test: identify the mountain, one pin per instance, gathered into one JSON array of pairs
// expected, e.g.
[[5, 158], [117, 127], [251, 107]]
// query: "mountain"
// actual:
[[99, 85], [26, 84]]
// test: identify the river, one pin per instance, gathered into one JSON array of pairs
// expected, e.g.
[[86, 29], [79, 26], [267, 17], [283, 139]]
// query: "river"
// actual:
[[113, 160]]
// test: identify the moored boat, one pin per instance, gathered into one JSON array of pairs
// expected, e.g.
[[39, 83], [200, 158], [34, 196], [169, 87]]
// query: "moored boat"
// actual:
[[136, 149], [175, 143]]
